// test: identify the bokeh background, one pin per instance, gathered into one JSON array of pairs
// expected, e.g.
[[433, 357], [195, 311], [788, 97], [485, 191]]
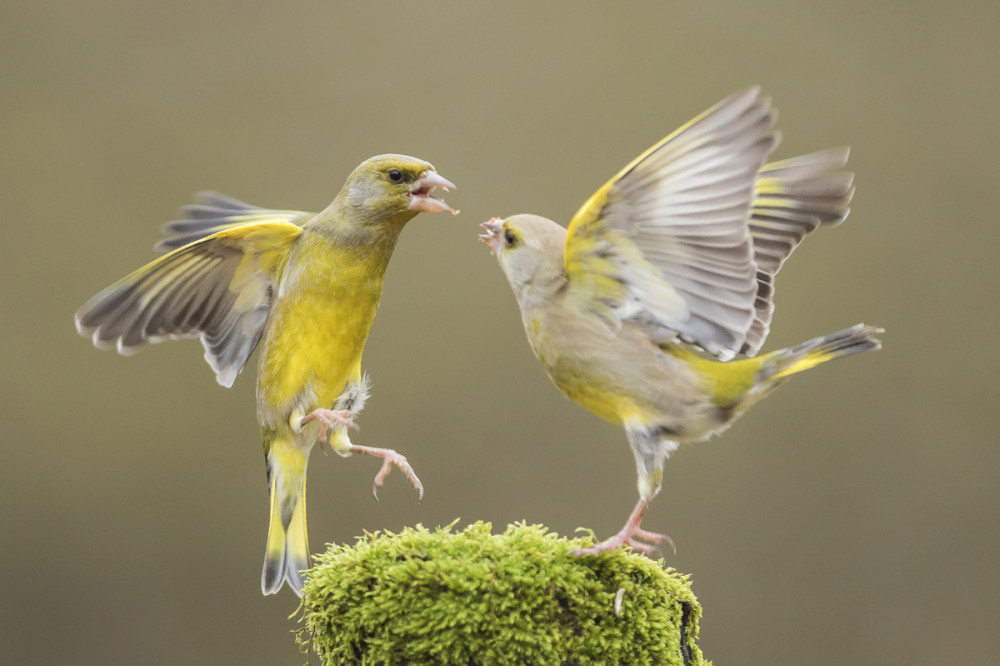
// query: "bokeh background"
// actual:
[[850, 518]]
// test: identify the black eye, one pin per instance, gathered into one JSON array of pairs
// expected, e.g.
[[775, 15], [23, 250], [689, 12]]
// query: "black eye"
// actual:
[[395, 175], [509, 238]]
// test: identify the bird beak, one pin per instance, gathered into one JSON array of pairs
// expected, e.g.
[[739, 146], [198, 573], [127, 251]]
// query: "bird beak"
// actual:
[[420, 193], [494, 229]]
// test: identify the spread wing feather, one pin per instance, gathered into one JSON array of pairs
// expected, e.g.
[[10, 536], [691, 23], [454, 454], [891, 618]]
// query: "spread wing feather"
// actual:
[[212, 212], [670, 230], [687, 239], [218, 288], [793, 198]]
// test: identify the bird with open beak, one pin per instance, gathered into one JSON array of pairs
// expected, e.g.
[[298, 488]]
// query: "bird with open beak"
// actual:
[[302, 287], [638, 310]]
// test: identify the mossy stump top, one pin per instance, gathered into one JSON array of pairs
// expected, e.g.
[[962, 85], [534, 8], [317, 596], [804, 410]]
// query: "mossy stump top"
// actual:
[[474, 598]]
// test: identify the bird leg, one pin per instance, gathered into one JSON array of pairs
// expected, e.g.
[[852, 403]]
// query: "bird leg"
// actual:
[[628, 535], [331, 419], [350, 404], [389, 458]]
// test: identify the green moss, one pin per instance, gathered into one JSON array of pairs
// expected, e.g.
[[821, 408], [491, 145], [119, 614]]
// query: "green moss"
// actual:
[[471, 597]]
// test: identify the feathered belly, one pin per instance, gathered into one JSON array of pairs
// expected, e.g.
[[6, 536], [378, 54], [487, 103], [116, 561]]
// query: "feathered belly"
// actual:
[[652, 389], [309, 351], [590, 393]]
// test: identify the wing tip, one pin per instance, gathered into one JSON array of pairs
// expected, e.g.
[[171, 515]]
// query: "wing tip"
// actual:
[[225, 375], [83, 330], [746, 95], [126, 349]]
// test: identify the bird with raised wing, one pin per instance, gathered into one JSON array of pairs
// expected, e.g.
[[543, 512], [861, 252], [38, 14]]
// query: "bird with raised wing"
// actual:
[[639, 309], [302, 287]]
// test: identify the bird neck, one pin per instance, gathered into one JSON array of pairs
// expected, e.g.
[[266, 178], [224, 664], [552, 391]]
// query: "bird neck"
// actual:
[[354, 228]]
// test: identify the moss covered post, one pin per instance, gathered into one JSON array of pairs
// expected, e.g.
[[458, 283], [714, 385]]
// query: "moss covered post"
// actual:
[[472, 597]]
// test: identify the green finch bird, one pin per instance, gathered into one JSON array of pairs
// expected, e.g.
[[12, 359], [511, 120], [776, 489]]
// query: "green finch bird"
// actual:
[[638, 310], [304, 288]]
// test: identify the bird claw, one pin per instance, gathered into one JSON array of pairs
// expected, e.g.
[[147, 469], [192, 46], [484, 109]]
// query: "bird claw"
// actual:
[[650, 548], [330, 419], [630, 534], [390, 458], [630, 537]]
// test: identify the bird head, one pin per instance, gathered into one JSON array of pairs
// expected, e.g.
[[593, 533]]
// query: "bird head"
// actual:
[[394, 188], [530, 251]]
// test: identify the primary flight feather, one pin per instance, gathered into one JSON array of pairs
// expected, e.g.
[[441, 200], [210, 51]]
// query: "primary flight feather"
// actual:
[[302, 287], [665, 274]]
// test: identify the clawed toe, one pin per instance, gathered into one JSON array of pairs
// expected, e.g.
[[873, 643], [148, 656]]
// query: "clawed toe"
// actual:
[[390, 458], [630, 534], [655, 537], [632, 540], [329, 419]]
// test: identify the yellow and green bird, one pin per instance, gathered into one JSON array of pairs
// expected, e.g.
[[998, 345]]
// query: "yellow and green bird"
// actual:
[[304, 287], [638, 310]]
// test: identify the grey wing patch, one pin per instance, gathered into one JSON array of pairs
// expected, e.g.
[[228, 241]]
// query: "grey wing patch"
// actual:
[[212, 212], [685, 205], [792, 198], [184, 294]]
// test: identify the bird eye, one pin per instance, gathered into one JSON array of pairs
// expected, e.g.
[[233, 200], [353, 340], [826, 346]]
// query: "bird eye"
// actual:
[[395, 175], [509, 238]]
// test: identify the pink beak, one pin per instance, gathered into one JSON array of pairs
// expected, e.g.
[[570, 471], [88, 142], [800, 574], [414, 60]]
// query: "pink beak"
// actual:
[[420, 193], [494, 230]]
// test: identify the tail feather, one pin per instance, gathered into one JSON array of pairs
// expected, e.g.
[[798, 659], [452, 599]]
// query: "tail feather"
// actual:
[[786, 362], [287, 554]]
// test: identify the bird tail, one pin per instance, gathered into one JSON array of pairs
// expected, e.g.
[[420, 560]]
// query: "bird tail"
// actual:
[[287, 554], [781, 364]]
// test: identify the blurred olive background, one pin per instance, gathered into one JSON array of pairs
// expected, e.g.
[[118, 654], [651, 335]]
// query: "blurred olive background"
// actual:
[[851, 518]]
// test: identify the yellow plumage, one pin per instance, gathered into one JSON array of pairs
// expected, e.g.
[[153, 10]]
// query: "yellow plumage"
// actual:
[[306, 288], [665, 274]]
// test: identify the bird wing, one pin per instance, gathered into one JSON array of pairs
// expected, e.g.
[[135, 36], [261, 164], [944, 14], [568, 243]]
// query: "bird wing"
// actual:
[[218, 288], [792, 198], [212, 212], [666, 242]]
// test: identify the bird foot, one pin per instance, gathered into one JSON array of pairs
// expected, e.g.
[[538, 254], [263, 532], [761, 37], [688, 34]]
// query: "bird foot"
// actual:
[[629, 534], [630, 537], [329, 419], [390, 458]]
